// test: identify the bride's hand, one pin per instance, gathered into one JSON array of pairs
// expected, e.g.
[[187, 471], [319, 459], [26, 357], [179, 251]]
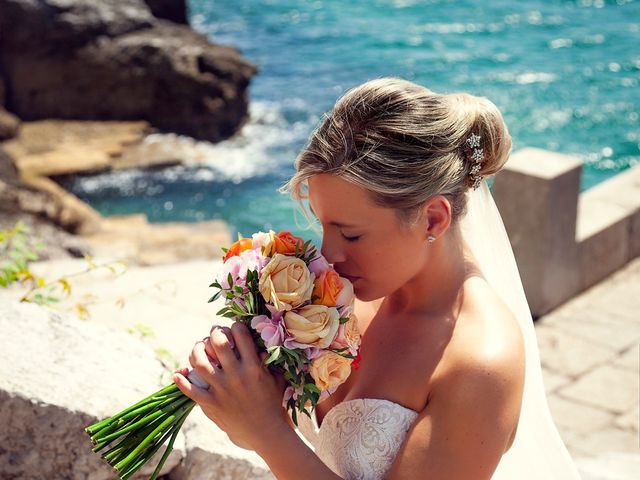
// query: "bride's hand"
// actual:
[[244, 398]]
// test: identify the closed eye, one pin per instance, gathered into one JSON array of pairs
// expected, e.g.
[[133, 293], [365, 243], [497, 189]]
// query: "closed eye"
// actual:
[[351, 239]]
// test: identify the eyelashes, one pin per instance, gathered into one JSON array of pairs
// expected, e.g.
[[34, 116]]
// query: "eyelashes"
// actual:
[[351, 239]]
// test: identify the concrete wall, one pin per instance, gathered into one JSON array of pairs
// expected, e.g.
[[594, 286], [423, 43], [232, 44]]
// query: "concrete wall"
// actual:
[[565, 241]]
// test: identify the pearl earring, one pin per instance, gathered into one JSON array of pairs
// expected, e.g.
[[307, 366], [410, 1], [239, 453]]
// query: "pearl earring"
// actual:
[[431, 239]]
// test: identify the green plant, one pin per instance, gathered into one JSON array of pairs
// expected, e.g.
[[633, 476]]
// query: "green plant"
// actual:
[[17, 250]]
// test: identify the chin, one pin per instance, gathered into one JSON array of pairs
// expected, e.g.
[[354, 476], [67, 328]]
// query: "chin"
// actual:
[[365, 295]]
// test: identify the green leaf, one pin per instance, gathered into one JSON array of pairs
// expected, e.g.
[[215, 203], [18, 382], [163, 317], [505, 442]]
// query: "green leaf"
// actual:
[[215, 296], [274, 355], [249, 301], [312, 388]]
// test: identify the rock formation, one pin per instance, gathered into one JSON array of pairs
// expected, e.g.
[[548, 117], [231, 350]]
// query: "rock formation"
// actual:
[[9, 123], [64, 374], [174, 10], [113, 59]]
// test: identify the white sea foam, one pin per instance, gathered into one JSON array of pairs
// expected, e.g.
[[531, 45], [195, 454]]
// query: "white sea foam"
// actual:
[[560, 43], [249, 153], [535, 77], [264, 144]]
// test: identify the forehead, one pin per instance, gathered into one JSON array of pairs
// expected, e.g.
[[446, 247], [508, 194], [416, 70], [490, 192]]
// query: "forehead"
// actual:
[[335, 200]]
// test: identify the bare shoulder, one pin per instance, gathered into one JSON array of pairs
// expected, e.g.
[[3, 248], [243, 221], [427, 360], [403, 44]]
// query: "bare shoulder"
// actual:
[[488, 336], [474, 402], [485, 363]]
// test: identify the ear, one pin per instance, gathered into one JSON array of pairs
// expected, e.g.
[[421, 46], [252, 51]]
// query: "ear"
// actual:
[[436, 214]]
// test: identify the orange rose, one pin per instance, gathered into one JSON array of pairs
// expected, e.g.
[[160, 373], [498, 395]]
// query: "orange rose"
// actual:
[[286, 243], [239, 247], [327, 287]]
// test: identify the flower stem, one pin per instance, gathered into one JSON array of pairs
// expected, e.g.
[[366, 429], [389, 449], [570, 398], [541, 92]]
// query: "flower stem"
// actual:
[[170, 420], [169, 389], [170, 408]]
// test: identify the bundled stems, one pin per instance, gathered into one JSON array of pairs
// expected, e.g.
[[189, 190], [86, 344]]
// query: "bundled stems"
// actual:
[[140, 431]]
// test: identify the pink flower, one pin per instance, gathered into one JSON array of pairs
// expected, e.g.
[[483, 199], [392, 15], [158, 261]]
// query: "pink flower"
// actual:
[[309, 352], [270, 329], [324, 394], [239, 265], [319, 265], [288, 393]]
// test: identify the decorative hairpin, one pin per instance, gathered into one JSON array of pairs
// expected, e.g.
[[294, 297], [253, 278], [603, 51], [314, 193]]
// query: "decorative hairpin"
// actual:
[[477, 156]]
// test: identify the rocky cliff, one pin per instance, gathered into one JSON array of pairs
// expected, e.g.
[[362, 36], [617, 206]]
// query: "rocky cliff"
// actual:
[[115, 59]]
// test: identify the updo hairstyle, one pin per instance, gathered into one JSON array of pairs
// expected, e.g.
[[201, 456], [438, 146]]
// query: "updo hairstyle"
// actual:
[[404, 144]]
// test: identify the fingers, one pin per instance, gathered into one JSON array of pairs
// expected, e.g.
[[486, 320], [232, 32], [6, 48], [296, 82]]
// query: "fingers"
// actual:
[[201, 363], [227, 332], [245, 344], [222, 347], [208, 349], [195, 393]]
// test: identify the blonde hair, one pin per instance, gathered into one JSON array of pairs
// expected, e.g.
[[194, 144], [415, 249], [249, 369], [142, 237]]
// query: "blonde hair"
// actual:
[[404, 144]]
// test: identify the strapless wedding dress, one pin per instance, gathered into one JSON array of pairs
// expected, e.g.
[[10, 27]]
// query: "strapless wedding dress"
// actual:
[[359, 438]]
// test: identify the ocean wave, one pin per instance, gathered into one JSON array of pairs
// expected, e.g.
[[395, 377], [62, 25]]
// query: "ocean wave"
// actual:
[[265, 143]]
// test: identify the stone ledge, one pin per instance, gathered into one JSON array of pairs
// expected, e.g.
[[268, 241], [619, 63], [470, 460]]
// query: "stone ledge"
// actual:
[[564, 241], [59, 374]]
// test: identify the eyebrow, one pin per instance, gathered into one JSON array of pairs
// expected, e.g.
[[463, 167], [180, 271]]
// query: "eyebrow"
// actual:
[[337, 224]]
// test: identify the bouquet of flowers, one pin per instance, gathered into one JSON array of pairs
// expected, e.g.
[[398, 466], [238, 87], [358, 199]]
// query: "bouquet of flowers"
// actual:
[[299, 310]]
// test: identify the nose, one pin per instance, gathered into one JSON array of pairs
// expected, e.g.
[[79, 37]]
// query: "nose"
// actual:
[[331, 251]]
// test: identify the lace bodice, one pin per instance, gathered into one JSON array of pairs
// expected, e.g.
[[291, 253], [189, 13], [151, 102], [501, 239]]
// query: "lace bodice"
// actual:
[[359, 438]]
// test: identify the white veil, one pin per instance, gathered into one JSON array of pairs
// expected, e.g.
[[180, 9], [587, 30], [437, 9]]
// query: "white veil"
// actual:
[[537, 452]]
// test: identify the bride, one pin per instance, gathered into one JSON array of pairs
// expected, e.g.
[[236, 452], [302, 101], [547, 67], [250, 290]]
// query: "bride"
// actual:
[[449, 383]]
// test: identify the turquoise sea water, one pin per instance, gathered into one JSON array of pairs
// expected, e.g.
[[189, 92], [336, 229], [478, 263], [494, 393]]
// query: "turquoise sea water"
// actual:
[[565, 74]]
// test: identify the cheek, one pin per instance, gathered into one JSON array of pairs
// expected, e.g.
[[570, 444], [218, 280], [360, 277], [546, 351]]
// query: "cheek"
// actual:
[[380, 273], [393, 264]]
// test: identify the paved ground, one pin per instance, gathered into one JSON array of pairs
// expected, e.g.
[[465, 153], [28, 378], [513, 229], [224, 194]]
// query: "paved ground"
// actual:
[[590, 352]]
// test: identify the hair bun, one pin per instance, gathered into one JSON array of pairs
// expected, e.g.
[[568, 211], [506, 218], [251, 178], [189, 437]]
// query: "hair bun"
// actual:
[[482, 118]]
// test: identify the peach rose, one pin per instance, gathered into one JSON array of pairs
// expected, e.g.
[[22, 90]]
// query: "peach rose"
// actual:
[[346, 296], [239, 247], [313, 325], [348, 336], [330, 370], [286, 282], [327, 288]]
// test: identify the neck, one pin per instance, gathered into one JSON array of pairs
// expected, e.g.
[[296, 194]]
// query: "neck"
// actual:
[[436, 287]]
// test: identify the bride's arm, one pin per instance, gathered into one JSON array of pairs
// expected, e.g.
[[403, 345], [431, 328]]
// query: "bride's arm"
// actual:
[[289, 458], [468, 423]]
